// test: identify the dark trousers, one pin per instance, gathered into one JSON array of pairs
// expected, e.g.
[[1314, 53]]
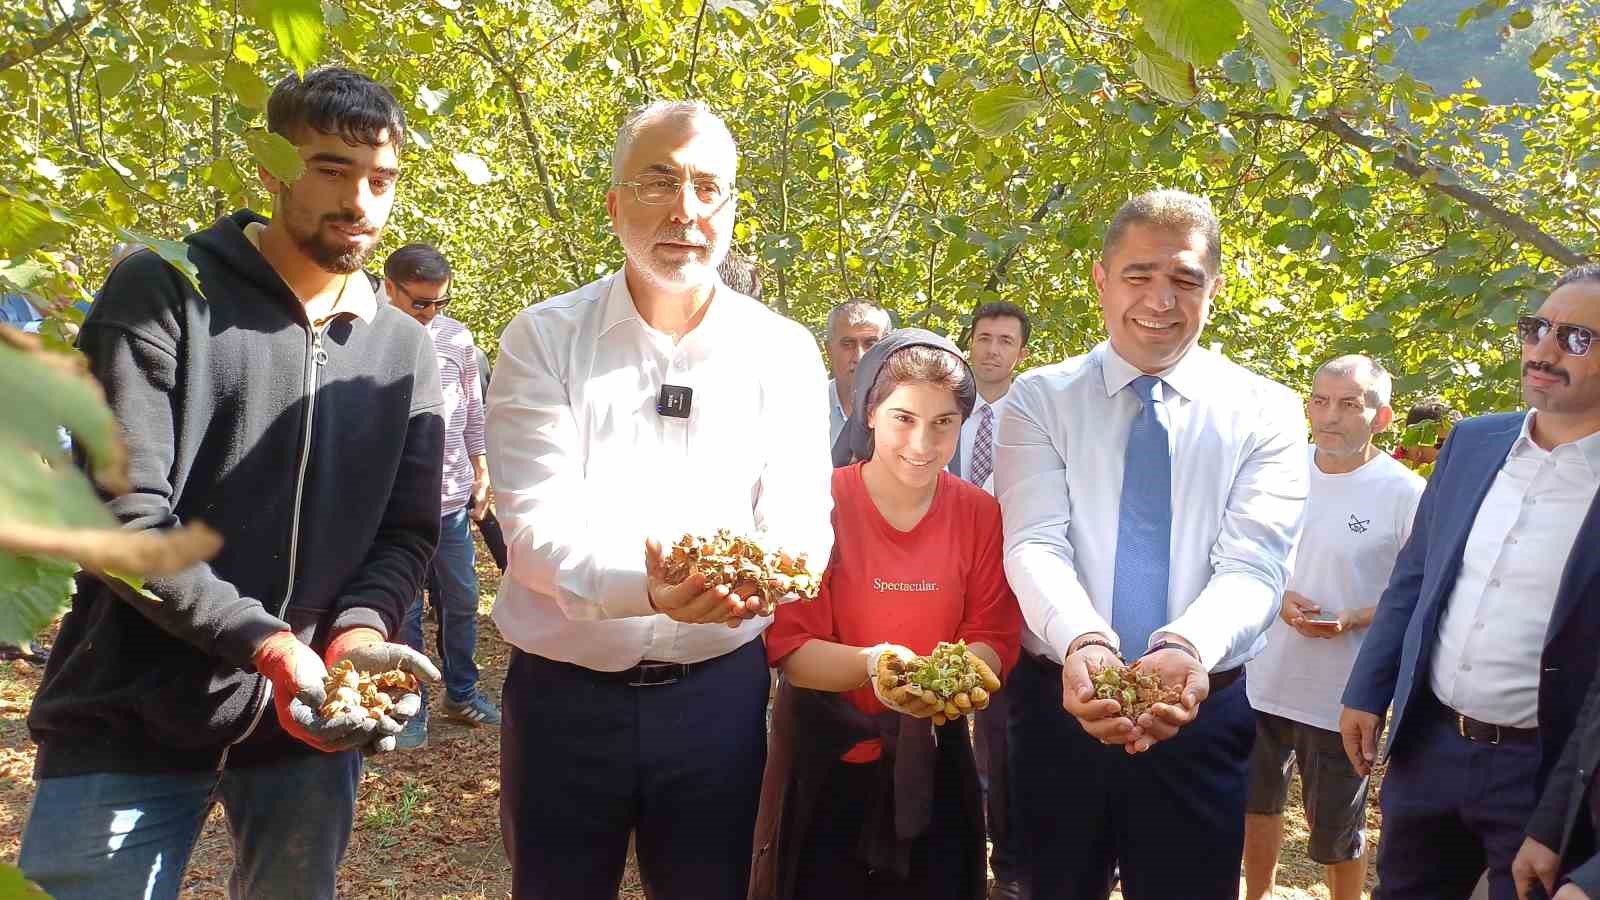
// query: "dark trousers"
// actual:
[[1451, 807], [831, 867], [1172, 818], [989, 743], [586, 760]]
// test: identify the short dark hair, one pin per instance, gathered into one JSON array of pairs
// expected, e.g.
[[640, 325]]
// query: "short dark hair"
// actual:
[[999, 309], [417, 262], [1585, 272], [740, 273], [1172, 210], [336, 101], [1432, 410]]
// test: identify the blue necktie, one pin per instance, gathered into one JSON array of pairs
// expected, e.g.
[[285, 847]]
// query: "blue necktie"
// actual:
[[1144, 526]]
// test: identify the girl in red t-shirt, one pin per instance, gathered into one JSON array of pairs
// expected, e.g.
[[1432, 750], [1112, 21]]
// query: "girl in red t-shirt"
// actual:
[[882, 804]]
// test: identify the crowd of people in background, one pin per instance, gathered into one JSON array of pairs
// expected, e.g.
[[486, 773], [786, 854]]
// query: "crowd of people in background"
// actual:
[[1145, 502]]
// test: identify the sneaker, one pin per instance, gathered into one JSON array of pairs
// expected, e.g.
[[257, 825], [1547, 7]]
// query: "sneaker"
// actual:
[[28, 652], [477, 711], [415, 733]]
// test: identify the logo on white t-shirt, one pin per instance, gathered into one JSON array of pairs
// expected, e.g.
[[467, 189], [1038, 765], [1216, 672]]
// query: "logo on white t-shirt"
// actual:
[[1359, 525]]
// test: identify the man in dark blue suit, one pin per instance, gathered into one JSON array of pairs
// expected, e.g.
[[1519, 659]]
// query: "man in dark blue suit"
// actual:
[[1485, 638]]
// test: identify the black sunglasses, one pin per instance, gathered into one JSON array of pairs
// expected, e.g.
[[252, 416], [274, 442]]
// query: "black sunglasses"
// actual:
[[420, 305], [1574, 340]]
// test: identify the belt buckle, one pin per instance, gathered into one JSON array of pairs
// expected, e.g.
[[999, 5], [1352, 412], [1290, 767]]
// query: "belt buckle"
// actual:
[[642, 680], [1461, 729]]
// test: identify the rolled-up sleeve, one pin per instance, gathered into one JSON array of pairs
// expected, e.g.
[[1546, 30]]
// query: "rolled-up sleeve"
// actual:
[[1030, 478], [553, 536], [1260, 526]]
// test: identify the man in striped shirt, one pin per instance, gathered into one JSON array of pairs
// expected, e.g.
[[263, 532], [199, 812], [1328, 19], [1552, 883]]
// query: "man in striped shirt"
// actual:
[[417, 281]]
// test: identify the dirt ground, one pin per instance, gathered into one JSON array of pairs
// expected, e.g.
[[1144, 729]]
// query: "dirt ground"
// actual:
[[427, 822]]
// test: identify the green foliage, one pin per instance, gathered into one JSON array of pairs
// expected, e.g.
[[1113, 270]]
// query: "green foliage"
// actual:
[[930, 156], [15, 887], [34, 590]]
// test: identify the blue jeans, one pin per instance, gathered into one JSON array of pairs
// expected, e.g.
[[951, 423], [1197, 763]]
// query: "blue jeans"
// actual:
[[116, 834], [453, 584]]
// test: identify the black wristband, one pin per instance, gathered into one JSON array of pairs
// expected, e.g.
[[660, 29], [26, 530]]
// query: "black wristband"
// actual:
[[1174, 645], [1096, 642]]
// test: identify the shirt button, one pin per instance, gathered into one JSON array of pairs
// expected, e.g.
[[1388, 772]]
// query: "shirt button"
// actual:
[[1466, 667], [1478, 627], [1511, 540], [1494, 582]]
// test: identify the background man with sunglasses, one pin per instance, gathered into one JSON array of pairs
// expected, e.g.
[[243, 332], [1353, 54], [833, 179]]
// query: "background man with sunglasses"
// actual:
[[417, 281], [1485, 637]]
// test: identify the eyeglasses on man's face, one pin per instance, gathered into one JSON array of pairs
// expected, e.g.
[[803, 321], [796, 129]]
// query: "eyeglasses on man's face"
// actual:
[[421, 304], [1574, 340], [660, 190]]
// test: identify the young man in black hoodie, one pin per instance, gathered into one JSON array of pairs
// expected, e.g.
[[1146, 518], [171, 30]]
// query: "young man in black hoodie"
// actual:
[[286, 407]]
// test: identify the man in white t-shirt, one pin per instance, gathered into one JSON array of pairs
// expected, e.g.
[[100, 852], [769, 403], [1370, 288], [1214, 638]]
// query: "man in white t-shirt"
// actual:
[[853, 327], [1358, 515]]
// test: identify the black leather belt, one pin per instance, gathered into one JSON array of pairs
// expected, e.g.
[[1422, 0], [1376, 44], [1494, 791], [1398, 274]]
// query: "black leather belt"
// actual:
[[655, 674], [1219, 680], [1485, 733], [1474, 730]]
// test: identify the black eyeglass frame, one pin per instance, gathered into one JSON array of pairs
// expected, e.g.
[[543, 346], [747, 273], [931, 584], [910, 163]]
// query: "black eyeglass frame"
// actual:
[[1574, 340], [420, 305]]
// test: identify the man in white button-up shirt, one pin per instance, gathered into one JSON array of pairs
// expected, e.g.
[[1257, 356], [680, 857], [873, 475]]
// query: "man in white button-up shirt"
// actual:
[[649, 404], [1208, 519], [1485, 637]]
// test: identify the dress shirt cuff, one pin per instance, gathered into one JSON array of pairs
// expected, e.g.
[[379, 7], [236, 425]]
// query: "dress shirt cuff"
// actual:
[[1065, 629], [1226, 619], [625, 594], [1212, 648]]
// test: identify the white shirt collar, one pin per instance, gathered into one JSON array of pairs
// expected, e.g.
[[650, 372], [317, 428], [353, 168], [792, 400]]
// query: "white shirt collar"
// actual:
[[1187, 377], [620, 306], [1588, 447]]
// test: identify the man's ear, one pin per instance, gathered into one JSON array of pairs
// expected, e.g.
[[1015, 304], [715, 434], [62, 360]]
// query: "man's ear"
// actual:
[[1382, 421], [611, 209], [1216, 287]]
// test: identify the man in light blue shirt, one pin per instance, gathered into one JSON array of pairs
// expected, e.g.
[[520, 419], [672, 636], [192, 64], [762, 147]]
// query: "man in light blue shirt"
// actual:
[[1152, 493], [16, 311]]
